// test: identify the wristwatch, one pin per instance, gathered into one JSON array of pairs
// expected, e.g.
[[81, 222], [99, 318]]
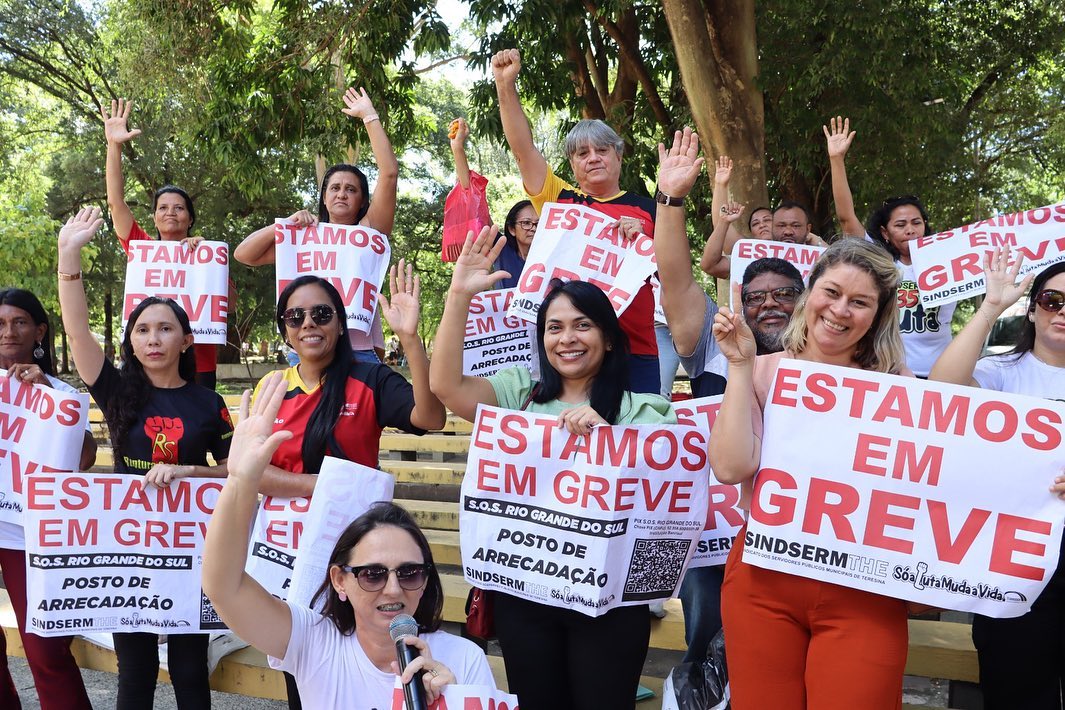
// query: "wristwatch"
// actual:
[[664, 199]]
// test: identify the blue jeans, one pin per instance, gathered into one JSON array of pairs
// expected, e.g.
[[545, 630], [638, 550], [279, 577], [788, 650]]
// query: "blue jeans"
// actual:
[[668, 360], [700, 593]]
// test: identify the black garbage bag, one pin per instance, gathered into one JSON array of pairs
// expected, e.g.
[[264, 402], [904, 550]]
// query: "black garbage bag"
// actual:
[[700, 686]]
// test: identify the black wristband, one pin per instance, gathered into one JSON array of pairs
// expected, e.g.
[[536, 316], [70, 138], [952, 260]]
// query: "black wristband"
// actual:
[[664, 199]]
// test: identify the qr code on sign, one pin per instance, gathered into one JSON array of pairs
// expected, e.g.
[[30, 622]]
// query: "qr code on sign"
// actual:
[[208, 616], [655, 569]]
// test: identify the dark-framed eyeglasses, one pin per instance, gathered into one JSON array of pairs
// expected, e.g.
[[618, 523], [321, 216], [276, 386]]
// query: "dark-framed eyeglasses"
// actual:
[[1050, 299], [320, 314], [782, 295], [373, 578], [528, 224]]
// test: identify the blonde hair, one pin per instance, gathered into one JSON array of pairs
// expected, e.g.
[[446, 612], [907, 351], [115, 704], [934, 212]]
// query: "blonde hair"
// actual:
[[880, 349]]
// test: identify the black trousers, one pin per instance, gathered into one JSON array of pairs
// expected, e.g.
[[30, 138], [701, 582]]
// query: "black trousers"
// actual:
[[138, 669], [558, 659], [1022, 660]]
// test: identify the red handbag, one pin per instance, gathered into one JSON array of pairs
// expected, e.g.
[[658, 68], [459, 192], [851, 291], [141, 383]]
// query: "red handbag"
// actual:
[[480, 614]]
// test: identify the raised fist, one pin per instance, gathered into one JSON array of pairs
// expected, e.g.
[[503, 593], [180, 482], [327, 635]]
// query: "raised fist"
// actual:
[[165, 433]]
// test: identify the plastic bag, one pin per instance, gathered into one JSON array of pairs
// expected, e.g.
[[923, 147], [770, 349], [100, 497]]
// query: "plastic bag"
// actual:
[[465, 210], [699, 686]]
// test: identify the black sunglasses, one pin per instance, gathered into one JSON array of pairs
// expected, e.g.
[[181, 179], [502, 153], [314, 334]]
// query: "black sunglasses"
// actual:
[[320, 314], [373, 578], [784, 294], [1050, 300]]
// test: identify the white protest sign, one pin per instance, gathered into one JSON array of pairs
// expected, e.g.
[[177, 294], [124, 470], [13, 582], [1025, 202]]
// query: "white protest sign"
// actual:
[[577, 243], [586, 523], [933, 493], [724, 517], [950, 265], [495, 341], [41, 429], [463, 697], [276, 560], [747, 251], [352, 258], [197, 279], [105, 554]]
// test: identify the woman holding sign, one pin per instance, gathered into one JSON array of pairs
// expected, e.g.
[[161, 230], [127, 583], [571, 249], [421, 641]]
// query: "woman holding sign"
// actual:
[[345, 199], [555, 658], [162, 426], [26, 354], [380, 567], [794, 642], [172, 211], [1022, 661]]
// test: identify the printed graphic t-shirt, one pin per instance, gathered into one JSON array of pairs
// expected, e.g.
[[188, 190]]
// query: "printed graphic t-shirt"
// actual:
[[176, 426]]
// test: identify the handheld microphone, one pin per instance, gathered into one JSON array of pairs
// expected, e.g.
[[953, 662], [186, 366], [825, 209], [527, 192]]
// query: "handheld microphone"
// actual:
[[401, 627]]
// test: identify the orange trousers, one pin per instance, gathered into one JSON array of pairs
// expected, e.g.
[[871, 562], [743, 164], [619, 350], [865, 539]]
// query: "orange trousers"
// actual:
[[793, 643]]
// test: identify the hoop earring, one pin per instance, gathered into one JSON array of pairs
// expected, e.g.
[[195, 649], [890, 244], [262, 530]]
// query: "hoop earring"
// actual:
[[38, 352]]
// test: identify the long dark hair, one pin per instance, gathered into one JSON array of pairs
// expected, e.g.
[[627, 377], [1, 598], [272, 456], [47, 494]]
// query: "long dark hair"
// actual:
[[512, 221], [342, 614], [612, 380], [175, 190], [1026, 338], [134, 389], [21, 298], [880, 217], [319, 432], [323, 213]]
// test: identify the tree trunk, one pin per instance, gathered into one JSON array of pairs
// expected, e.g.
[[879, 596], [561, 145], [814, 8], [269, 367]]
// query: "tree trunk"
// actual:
[[717, 53]]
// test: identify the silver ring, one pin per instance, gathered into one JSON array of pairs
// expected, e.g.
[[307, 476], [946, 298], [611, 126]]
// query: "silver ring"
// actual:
[[434, 672]]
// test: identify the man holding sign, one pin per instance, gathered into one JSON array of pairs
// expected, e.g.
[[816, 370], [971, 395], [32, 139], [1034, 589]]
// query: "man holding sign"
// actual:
[[594, 152]]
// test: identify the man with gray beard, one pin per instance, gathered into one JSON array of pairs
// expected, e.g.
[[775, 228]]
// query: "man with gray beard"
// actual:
[[770, 289]]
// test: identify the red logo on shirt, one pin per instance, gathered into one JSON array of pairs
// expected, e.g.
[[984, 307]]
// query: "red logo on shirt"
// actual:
[[165, 432]]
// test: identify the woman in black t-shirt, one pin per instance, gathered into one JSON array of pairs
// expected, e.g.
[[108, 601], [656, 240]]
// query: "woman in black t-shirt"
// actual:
[[162, 425]]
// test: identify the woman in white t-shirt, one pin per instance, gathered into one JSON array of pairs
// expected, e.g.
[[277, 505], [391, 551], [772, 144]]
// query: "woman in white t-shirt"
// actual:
[[1022, 660], [26, 354], [380, 567]]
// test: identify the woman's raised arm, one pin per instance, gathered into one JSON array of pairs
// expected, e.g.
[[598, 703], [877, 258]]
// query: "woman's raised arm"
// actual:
[[118, 133], [382, 214], [75, 234]]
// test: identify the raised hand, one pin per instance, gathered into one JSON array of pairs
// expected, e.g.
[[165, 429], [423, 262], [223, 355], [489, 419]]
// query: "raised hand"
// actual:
[[838, 135], [358, 104], [116, 128], [473, 269], [255, 440], [731, 211], [457, 132], [723, 170], [1001, 279], [506, 65], [80, 228], [404, 308], [679, 166], [732, 333]]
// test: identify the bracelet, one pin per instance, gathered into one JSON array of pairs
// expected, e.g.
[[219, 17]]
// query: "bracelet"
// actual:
[[68, 277], [990, 323], [668, 200], [367, 120]]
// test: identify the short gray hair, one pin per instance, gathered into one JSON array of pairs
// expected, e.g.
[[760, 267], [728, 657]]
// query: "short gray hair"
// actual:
[[595, 132]]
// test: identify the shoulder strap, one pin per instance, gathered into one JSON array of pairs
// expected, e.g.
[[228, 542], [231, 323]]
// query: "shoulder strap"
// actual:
[[532, 393]]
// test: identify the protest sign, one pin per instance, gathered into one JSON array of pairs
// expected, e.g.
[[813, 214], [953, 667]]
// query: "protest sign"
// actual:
[[574, 242], [276, 560], [933, 493], [581, 522], [724, 517], [107, 554], [494, 340], [41, 429], [197, 279], [747, 251], [463, 697], [351, 257], [950, 265]]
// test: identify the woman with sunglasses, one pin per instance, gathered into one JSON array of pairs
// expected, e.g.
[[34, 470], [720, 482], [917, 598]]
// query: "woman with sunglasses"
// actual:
[[380, 567], [520, 225], [162, 426], [26, 354], [172, 212], [897, 222], [344, 198], [554, 657], [1022, 660]]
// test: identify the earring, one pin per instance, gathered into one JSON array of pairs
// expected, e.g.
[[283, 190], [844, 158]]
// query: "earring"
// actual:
[[342, 595], [38, 352]]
